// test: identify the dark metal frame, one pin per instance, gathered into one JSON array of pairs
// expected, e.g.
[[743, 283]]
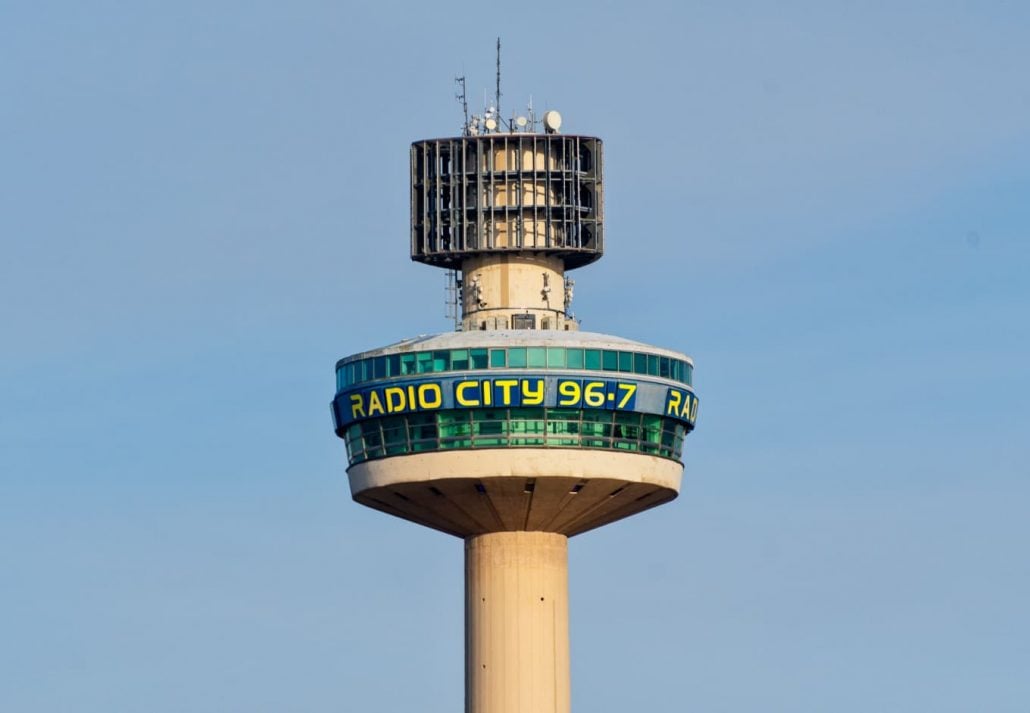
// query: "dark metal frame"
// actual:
[[452, 188]]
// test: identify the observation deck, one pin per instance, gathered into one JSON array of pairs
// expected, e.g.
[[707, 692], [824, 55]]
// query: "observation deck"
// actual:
[[492, 431]]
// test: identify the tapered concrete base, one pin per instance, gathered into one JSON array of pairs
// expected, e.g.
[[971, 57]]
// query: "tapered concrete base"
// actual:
[[517, 623]]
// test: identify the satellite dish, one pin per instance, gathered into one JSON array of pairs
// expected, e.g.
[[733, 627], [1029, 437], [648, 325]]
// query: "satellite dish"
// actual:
[[491, 124], [552, 122], [521, 122]]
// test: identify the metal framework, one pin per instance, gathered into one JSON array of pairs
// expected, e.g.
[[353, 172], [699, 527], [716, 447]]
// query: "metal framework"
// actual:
[[507, 193]]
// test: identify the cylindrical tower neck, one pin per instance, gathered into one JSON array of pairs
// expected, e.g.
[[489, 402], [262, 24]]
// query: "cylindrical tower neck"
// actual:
[[517, 623], [521, 291]]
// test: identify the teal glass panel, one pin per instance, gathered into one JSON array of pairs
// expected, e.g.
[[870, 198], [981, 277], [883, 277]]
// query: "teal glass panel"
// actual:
[[625, 361], [677, 370], [536, 357], [379, 368], [639, 363], [610, 360], [663, 367], [441, 361], [350, 374], [373, 439], [423, 362], [574, 358], [393, 365], [555, 357], [652, 364], [517, 357], [498, 359], [690, 375], [478, 358], [395, 435], [592, 359], [459, 359]]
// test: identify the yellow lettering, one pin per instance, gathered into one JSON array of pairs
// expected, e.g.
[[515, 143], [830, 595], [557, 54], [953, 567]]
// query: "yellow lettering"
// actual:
[[395, 400], [412, 403], [506, 386], [357, 406], [675, 400], [425, 391], [459, 394], [486, 392], [693, 411], [531, 396], [374, 404]]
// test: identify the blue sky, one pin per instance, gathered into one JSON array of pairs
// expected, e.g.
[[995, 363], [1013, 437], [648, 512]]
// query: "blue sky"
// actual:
[[203, 206]]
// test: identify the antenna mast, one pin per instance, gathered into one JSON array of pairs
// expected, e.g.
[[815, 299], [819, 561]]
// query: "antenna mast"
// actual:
[[463, 98], [497, 96]]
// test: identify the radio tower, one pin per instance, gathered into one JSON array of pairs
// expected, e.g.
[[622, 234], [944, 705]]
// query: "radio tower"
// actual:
[[518, 430]]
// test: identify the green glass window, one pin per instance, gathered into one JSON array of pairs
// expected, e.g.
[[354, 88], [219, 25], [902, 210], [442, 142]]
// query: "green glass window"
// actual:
[[478, 358], [690, 375], [422, 431], [460, 359], [395, 435], [663, 368], [555, 357], [441, 361], [574, 358], [407, 363], [536, 357], [527, 427], [423, 362], [610, 360], [373, 439], [625, 361], [592, 359], [498, 359], [639, 363], [652, 364], [350, 374], [517, 357]]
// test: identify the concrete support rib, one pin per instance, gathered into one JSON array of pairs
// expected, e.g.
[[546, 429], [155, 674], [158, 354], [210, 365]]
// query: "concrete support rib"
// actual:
[[517, 623]]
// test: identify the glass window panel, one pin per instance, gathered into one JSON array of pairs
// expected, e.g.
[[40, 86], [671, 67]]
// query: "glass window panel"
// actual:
[[407, 363], [393, 365], [574, 358], [555, 357], [517, 357], [663, 367], [423, 362], [592, 359], [625, 361], [652, 364], [478, 358], [379, 368], [460, 359], [639, 363], [536, 357], [498, 359], [610, 361], [690, 375], [441, 361], [351, 376]]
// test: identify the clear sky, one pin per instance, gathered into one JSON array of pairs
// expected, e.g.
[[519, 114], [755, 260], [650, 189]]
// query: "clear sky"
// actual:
[[204, 205]]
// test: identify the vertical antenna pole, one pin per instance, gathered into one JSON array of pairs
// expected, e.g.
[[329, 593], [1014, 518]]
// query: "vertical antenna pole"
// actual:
[[497, 96], [464, 104]]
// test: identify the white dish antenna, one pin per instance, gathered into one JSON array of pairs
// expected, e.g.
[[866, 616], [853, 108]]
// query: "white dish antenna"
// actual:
[[552, 121]]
